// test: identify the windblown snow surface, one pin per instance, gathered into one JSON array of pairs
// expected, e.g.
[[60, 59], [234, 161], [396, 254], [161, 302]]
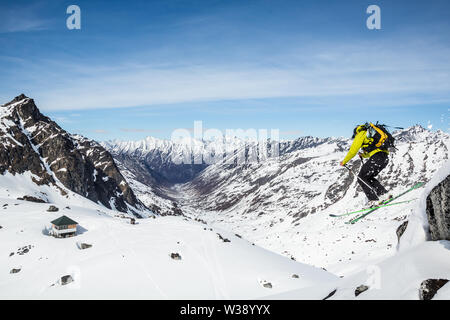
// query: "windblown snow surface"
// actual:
[[399, 276], [131, 261]]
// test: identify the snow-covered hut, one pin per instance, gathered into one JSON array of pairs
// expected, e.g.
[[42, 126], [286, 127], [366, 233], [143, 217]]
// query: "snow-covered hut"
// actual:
[[64, 227]]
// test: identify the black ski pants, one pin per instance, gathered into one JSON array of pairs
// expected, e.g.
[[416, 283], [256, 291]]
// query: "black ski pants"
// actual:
[[371, 186]]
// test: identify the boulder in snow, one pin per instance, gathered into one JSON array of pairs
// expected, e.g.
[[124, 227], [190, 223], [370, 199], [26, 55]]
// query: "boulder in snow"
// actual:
[[15, 270], [66, 280], [83, 246], [52, 209], [175, 256], [361, 289], [429, 288]]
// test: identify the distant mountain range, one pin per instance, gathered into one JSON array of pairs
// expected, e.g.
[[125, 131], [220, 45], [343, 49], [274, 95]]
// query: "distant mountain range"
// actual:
[[283, 203]]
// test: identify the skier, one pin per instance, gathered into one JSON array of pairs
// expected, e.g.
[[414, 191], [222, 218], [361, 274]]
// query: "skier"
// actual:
[[373, 141]]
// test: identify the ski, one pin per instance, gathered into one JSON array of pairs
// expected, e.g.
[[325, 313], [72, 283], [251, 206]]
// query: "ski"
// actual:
[[386, 204], [416, 186]]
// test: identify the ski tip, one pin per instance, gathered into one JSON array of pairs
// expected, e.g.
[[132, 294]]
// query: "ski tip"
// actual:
[[333, 215]]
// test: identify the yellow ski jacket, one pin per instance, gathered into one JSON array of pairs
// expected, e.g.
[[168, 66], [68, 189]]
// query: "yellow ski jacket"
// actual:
[[360, 140]]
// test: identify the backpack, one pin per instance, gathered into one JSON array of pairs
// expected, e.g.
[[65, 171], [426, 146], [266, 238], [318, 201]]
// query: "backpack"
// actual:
[[379, 137]]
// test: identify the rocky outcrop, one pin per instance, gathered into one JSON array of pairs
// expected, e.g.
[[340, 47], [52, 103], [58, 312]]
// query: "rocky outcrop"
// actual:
[[430, 287], [438, 210], [32, 199], [401, 230], [30, 141]]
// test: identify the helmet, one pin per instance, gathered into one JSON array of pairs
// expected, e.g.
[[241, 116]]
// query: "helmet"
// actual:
[[358, 129]]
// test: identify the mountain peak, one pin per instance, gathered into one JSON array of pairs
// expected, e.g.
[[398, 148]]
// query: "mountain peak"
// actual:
[[32, 142], [20, 97], [17, 99]]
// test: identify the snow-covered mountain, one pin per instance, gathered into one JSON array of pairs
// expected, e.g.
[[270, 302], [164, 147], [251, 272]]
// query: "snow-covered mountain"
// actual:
[[152, 166], [284, 203], [34, 145], [235, 230], [307, 178]]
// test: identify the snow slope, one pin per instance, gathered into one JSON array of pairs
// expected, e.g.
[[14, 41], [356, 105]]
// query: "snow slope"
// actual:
[[395, 278], [399, 276], [131, 261]]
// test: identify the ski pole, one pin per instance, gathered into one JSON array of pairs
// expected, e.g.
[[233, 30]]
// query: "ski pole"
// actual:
[[349, 169]]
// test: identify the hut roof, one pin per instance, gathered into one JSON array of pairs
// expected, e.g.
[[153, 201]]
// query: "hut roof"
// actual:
[[63, 221]]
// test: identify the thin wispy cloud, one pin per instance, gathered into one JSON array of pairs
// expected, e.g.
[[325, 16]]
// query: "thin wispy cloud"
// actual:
[[100, 131], [347, 72], [149, 131]]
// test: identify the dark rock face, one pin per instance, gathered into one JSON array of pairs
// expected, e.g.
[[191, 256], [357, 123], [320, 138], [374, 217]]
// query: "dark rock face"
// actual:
[[430, 287], [30, 141], [14, 270], [438, 211]]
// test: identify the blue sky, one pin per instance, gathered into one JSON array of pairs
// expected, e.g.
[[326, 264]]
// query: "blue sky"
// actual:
[[139, 68]]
